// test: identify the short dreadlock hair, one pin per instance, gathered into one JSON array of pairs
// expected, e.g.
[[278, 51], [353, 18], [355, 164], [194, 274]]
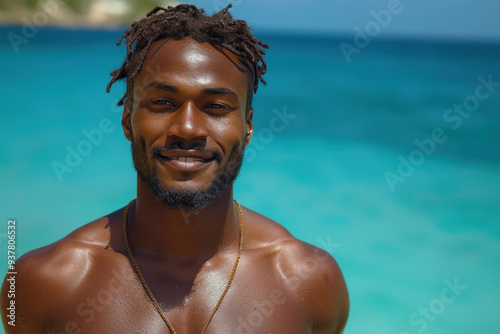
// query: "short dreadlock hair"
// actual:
[[187, 21]]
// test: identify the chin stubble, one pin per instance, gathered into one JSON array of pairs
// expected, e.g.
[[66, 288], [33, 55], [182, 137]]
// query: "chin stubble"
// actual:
[[190, 200]]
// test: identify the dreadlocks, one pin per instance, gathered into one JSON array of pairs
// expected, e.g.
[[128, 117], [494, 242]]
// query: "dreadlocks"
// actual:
[[183, 21]]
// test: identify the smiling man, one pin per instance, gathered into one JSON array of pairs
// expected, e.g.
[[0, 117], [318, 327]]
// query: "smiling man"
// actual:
[[184, 257]]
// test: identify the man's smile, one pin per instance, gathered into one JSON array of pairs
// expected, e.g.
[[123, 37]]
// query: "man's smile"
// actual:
[[187, 160]]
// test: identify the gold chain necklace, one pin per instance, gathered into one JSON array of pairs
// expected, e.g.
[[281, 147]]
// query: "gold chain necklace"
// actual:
[[146, 287]]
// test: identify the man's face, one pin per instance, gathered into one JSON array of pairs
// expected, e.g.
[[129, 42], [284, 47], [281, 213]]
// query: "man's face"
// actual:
[[188, 122]]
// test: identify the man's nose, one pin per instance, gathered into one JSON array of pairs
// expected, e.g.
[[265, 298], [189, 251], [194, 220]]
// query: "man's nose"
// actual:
[[187, 124]]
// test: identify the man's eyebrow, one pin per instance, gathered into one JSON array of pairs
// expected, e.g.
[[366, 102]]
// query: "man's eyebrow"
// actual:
[[163, 86], [206, 91], [219, 91]]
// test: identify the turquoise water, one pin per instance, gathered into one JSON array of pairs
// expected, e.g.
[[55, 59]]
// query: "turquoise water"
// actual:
[[321, 173]]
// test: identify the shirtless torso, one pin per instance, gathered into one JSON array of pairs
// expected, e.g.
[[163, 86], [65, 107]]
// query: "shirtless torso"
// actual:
[[85, 284]]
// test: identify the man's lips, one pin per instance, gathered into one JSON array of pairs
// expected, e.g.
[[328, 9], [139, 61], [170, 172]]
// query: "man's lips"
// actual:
[[187, 155], [186, 159]]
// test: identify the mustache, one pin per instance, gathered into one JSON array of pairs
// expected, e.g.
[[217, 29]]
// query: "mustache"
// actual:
[[188, 146]]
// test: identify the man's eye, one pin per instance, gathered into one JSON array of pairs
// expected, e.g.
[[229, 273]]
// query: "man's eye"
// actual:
[[161, 102], [219, 107]]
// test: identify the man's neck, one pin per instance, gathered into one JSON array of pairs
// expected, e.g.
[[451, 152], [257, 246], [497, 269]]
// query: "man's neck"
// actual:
[[180, 236]]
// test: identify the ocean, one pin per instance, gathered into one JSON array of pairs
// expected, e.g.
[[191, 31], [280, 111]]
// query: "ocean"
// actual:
[[389, 160]]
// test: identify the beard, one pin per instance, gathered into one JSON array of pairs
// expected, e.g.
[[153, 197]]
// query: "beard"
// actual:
[[187, 199]]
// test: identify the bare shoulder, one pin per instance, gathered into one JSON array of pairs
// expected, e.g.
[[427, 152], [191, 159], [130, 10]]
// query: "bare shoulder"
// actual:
[[46, 276], [309, 273]]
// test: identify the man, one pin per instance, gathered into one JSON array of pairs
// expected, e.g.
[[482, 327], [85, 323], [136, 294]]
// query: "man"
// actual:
[[183, 257]]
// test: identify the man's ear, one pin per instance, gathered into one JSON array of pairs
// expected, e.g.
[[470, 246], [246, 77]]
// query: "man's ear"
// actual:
[[249, 129], [126, 117]]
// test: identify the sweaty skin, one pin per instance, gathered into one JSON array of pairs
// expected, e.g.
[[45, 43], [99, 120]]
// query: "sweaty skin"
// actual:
[[189, 92]]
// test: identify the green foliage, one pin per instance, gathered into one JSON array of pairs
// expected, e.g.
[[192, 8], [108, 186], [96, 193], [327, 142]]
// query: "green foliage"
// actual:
[[79, 7]]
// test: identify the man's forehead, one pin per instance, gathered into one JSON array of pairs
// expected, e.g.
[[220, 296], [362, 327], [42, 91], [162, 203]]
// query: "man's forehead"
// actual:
[[191, 52], [187, 55], [173, 45]]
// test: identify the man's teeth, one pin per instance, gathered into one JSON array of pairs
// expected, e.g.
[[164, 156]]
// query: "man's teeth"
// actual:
[[186, 159]]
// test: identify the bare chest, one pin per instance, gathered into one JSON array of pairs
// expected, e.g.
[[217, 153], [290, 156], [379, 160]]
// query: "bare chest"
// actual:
[[117, 303]]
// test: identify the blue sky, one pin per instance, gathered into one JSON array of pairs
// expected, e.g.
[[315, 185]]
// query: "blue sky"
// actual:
[[455, 19]]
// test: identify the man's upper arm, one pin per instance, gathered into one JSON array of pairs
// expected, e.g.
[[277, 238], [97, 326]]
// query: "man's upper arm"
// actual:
[[23, 293], [328, 305]]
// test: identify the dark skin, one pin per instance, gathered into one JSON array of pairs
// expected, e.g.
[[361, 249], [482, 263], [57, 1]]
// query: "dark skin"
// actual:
[[84, 283]]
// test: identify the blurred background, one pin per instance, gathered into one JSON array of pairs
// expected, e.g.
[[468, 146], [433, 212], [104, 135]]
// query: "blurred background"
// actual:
[[375, 139], [79, 13]]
